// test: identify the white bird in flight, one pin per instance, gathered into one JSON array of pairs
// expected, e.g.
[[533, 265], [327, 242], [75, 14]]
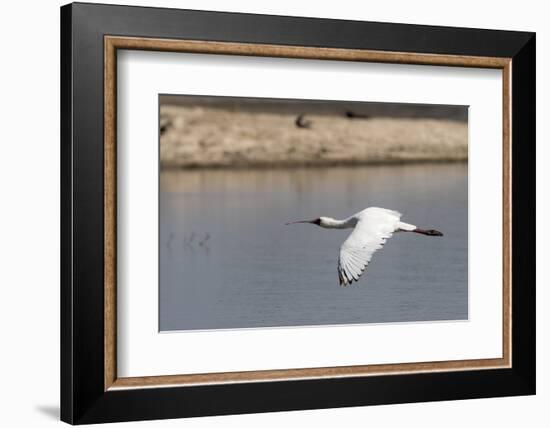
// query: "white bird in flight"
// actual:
[[372, 227]]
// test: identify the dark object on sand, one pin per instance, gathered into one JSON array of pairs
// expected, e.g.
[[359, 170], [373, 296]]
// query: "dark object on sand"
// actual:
[[164, 127], [302, 123], [351, 115]]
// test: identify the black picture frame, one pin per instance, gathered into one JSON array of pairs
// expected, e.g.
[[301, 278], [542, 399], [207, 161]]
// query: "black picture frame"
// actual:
[[83, 396]]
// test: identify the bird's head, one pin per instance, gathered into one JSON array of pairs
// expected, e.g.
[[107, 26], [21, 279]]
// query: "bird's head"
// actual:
[[326, 222], [317, 221]]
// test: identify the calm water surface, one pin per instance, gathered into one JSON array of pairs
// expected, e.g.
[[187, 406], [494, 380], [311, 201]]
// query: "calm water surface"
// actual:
[[228, 261]]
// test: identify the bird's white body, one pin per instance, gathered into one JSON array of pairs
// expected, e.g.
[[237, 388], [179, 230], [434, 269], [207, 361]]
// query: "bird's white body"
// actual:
[[372, 227]]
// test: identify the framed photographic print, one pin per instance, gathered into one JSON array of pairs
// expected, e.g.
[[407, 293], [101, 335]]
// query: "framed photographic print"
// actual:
[[265, 213]]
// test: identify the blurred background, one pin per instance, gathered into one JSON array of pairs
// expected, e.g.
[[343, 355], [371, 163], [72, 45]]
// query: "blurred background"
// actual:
[[199, 131]]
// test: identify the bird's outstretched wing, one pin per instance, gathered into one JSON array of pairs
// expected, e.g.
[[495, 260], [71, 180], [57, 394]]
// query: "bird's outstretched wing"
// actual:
[[374, 227]]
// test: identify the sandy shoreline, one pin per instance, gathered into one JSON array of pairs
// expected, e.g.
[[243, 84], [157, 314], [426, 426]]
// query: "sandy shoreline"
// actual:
[[202, 137]]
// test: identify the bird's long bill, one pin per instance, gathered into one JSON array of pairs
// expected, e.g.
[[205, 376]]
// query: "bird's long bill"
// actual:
[[300, 221]]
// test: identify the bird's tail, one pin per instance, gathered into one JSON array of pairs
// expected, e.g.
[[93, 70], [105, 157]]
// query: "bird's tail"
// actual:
[[429, 232], [406, 227]]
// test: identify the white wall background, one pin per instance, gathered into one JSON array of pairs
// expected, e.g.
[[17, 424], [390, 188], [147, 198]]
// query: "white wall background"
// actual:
[[29, 214]]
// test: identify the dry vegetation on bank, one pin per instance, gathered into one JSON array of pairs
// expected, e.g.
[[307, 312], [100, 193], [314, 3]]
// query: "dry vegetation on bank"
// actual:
[[213, 137]]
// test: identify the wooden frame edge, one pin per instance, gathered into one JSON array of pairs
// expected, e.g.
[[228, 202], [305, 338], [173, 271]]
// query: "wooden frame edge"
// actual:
[[112, 43], [110, 187], [507, 213], [308, 373], [301, 52]]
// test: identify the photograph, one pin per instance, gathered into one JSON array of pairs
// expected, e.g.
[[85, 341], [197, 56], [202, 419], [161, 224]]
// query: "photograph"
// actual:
[[290, 212]]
